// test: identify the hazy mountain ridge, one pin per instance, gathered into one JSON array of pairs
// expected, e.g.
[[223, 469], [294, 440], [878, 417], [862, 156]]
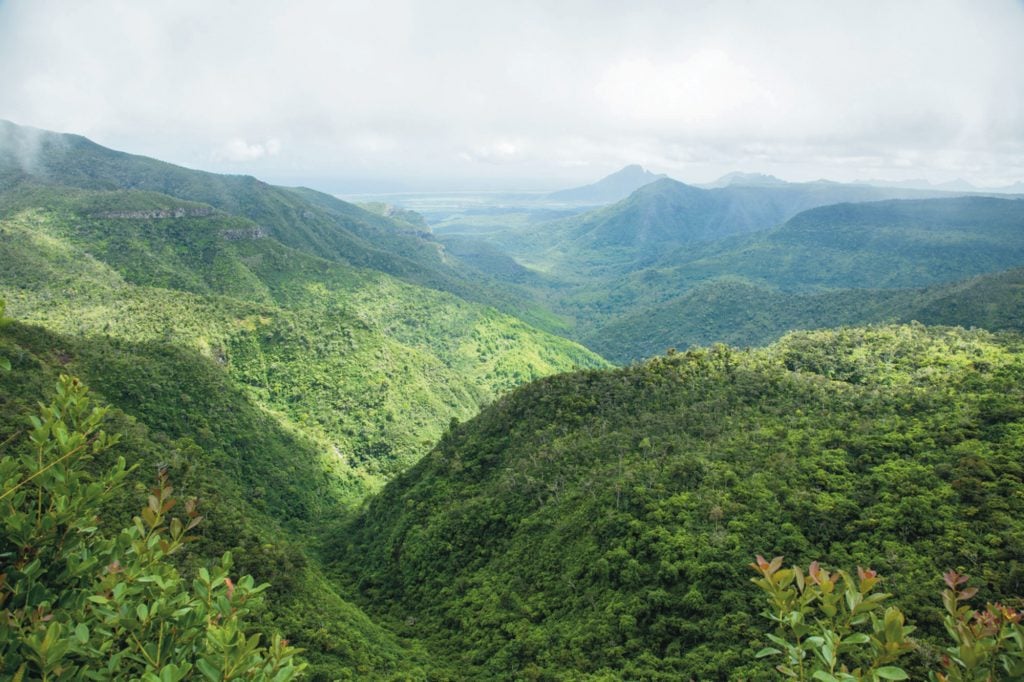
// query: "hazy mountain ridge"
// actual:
[[307, 220], [609, 189]]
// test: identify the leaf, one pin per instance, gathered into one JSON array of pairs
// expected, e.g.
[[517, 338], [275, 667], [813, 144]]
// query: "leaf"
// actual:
[[857, 638], [82, 633], [767, 651], [891, 672], [208, 670], [824, 676]]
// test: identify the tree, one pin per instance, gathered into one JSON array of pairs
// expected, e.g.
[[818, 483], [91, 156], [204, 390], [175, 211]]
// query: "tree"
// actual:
[[79, 603], [827, 628]]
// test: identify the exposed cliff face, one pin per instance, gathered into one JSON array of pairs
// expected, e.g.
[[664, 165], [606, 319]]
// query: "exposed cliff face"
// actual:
[[157, 213], [245, 233]]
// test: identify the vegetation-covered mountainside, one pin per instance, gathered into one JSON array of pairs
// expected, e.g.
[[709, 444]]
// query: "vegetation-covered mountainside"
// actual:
[[290, 358], [736, 312], [278, 385], [666, 215], [598, 525], [304, 219], [371, 367], [263, 488], [841, 264]]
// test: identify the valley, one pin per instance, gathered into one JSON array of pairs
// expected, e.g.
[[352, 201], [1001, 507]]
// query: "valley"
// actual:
[[526, 435]]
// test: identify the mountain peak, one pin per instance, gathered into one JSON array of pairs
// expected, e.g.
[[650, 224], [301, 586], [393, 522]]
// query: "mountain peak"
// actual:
[[741, 179], [609, 189]]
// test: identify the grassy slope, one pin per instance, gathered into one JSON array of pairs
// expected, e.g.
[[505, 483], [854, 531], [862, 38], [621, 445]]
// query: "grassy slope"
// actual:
[[598, 525]]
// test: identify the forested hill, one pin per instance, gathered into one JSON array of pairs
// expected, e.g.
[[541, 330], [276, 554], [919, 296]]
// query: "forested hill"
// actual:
[[371, 367], [734, 311], [304, 219], [599, 525], [838, 264], [279, 385], [666, 214]]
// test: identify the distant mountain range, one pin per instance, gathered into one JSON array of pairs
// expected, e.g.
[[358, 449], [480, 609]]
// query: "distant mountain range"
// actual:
[[610, 189], [958, 185], [745, 180], [667, 214]]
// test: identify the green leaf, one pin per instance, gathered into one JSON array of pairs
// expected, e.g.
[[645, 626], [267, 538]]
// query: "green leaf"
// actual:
[[891, 672], [767, 651], [208, 670], [857, 638], [82, 633], [824, 676]]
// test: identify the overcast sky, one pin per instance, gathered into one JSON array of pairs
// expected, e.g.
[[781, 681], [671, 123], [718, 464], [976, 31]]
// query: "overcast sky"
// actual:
[[355, 96]]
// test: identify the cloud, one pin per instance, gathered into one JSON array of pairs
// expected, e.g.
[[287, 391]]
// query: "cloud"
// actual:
[[707, 92], [237, 150], [460, 92], [496, 151]]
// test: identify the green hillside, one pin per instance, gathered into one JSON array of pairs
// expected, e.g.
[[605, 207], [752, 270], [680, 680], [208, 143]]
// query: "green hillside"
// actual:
[[260, 484], [598, 525], [304, 219], [371, 367], [666, 215], [815, 270], [736, 312], [278, 386]]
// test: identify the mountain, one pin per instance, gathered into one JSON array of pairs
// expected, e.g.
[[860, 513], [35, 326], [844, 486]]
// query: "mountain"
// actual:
[[667, 215], [824, 267], [741, 179], [1015, 188], [599, 525], [304, 219], [610, 189], [959, 186], [739, 313]]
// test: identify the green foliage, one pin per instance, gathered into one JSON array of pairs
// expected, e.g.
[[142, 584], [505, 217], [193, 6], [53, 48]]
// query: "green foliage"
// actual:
[[310, 222], [817, 615], [278, 385], [5, 364], [988, 645], [591, 525], [370, 368], [739, 313], [828, 625], [79, 602]]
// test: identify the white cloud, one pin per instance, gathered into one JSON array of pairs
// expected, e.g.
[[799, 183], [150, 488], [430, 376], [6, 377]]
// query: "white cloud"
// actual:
[[237, 150], [708, 92]]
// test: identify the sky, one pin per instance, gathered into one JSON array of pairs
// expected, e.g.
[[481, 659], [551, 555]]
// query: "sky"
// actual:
[[442, 95]]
